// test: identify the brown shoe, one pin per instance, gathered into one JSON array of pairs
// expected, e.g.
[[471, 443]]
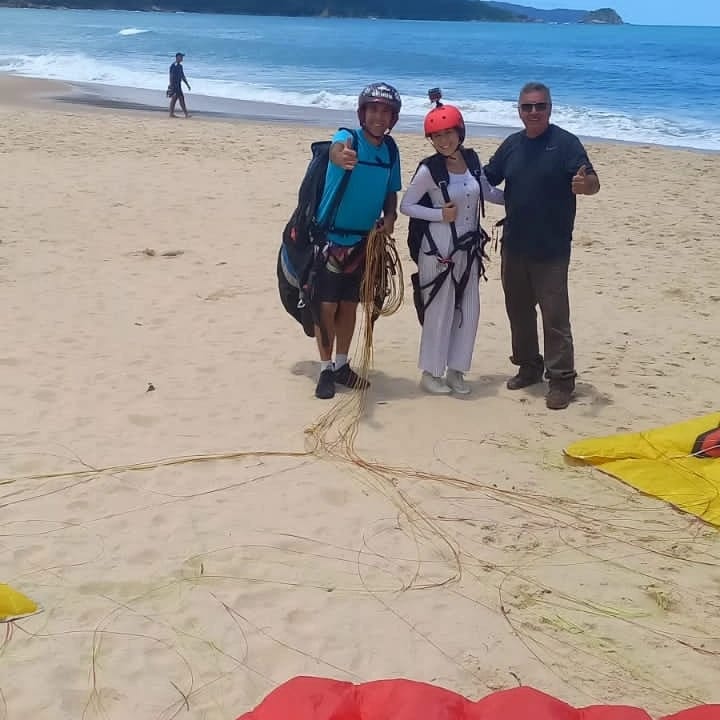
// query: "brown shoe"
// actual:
[[559, 396], [524, 378]]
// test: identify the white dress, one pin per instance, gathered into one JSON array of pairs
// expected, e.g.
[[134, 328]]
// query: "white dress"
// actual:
[[448, 333]]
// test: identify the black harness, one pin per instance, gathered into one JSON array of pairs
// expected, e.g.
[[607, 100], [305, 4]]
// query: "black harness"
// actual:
[[472, 243]]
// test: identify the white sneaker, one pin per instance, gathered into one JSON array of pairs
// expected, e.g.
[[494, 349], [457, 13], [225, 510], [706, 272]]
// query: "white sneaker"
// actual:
[[434, 385], [456, 382]]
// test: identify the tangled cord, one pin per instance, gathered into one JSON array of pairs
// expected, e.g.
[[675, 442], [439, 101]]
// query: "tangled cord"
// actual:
[[381, 294], [382, 287]]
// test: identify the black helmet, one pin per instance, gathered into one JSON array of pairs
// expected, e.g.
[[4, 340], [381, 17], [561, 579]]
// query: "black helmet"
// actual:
[[379, 92]]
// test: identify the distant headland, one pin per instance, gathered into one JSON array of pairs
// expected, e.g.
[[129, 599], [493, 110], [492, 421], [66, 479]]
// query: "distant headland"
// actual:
[[602, 16], [386, 9]]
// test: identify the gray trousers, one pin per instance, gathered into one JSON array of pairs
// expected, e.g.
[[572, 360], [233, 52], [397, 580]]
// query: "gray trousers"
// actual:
[[528, 283]]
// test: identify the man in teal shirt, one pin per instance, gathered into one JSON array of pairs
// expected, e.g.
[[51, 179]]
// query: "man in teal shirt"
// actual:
[[369, 198]]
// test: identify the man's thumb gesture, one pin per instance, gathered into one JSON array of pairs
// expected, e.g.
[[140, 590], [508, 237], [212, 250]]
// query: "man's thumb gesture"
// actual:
[[347, 158], [578, 182]]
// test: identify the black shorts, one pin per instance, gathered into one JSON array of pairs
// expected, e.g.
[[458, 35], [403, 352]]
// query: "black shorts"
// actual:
[[176, 92], [338, 280]]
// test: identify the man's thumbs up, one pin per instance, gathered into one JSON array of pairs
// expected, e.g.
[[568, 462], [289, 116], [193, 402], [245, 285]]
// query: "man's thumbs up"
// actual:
[[578, 181], [348, 156]]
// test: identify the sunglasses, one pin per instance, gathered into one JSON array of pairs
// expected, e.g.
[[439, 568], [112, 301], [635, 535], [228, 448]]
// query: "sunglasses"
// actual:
[[534, 107]]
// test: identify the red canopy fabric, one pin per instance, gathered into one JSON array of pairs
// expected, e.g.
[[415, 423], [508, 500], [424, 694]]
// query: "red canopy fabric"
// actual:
[[312, 698]]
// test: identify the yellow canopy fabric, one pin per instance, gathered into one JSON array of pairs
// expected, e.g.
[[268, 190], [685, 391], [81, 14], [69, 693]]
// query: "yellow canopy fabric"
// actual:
[[678, 463], [14, 605]]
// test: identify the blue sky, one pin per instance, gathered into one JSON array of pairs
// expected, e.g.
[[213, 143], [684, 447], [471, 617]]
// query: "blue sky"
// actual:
[[645, 12]]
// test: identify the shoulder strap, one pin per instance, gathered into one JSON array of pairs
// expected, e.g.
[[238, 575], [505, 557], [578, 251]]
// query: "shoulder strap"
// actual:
[[471, 160], [353, 133], [392, 149], [474, 166], [329, 223], [420, 164], [437, 166]]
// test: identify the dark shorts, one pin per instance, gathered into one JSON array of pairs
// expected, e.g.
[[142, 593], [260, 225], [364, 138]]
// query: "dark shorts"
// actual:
[[338, 280], [176, 92]]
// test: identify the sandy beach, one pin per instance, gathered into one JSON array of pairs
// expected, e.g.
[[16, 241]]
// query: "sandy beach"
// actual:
[[139, 252]]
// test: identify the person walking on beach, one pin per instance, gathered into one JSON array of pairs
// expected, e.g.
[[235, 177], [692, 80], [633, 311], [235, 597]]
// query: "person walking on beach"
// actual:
[[544, 167], [175, 91], [448, 192], [369, 199]]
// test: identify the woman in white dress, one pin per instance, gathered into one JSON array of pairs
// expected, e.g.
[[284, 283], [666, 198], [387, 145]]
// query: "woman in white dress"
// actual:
[[450, 253]]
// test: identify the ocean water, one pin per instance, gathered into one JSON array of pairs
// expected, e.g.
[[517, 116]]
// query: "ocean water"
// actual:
[[631, 83]]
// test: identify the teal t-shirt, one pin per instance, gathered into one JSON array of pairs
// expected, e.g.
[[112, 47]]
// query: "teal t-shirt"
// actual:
[[370, 181]]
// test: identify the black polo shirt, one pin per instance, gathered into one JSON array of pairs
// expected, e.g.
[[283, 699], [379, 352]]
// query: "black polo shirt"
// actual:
[[539, 202]]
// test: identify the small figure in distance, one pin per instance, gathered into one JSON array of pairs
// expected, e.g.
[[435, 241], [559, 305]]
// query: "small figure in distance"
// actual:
[[174, 91]]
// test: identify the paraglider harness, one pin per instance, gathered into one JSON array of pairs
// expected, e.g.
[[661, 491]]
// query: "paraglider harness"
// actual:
[[472, 243], [305, 250]]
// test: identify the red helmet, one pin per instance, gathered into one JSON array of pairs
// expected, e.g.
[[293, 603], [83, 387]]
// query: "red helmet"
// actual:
[[379, 93], [445, 117]]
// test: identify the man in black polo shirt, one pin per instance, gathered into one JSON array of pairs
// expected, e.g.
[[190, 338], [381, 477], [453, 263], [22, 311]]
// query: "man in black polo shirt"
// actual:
[[544, 167], [177, 78]]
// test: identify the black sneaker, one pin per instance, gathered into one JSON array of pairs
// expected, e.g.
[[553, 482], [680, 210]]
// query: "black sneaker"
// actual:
[[325, 389], [349, 378], [525, 377]]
